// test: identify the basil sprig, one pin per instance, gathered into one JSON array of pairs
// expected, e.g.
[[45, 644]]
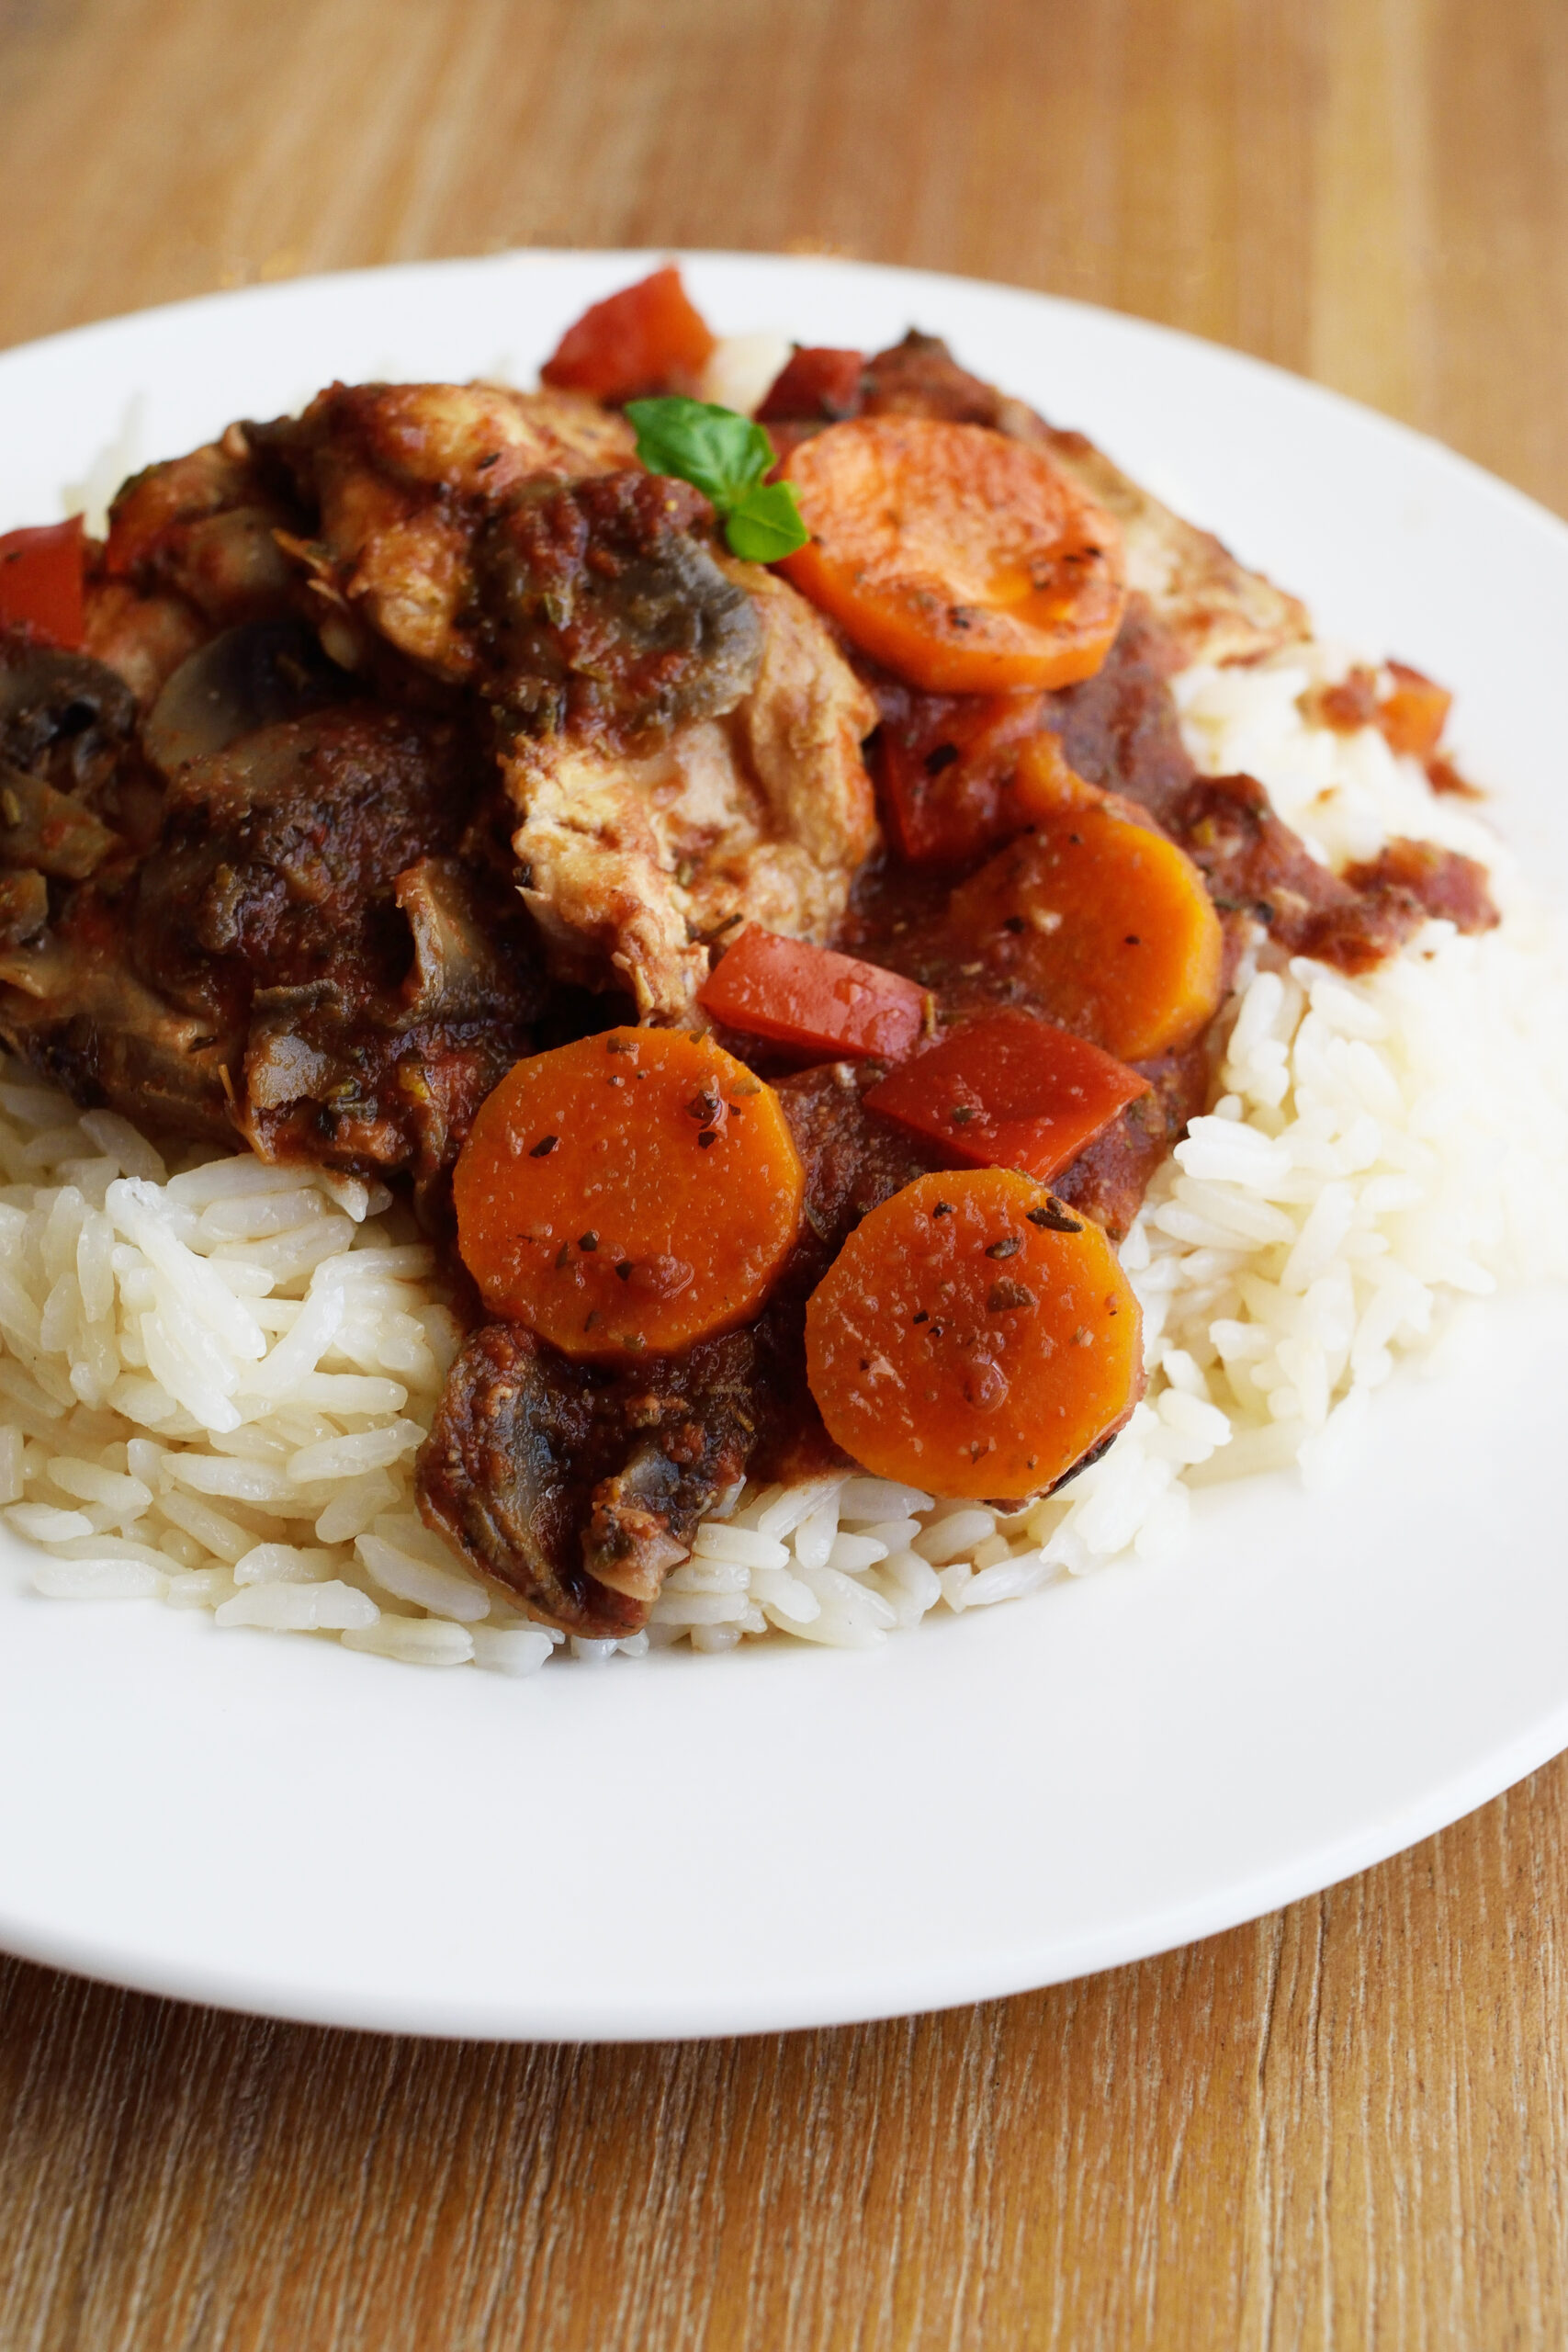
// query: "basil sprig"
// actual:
[[725, 456]]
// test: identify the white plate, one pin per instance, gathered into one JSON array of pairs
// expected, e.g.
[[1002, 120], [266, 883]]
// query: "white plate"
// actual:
[[792, 1837]]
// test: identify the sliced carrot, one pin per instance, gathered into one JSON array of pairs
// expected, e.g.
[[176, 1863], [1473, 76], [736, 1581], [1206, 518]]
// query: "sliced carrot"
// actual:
[[1046, 785], [964, 560], [1103, 919], [42, 581], [961, 772], [647, 338], [1414, 716], [1009, 1092], [811, 997], [815, 385], [633, 1192], [973, 1337]]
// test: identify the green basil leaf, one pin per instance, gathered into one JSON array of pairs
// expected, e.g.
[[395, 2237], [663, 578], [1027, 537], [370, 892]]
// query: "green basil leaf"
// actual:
[[718, 451], [766, 524]]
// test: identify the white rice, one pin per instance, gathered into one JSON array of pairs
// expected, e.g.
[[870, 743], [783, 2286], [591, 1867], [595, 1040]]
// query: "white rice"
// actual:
[[214, 1378]]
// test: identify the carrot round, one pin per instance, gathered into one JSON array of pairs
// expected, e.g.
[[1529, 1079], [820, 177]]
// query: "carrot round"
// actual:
[[1414, 714], [814, 998], [629, 1193], [973, 1337], [961, 559], [1104, 919]]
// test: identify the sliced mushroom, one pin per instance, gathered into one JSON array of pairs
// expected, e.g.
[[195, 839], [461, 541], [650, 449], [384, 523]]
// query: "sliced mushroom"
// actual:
[[24, 908], [62, 715], [459, 972], [47, 830], [247, 678]]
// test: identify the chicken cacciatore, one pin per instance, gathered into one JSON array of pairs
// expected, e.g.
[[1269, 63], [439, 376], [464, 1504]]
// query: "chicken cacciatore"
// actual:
[[743, 879]]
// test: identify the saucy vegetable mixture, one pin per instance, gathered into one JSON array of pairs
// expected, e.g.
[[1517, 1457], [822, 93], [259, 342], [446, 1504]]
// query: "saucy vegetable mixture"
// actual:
[[743, 876]]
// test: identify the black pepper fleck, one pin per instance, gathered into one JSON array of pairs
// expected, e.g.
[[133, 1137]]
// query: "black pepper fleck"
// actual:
[[1054, 1218]]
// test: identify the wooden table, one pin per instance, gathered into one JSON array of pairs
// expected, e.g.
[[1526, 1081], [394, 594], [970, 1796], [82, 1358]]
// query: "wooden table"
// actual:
[[1346, 2125]]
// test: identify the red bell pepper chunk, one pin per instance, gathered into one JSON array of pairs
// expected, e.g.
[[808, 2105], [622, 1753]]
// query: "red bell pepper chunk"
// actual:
[[1009, 1092], [812, 998], [815, 385], [951, 782], [42, 574], [646, 339]]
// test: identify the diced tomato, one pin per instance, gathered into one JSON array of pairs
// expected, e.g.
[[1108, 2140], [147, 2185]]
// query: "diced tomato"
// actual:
[[1009, 1092], [815, 385], [1414, 716], [812, 998], [42, 581], [646, 339], [962, 774]]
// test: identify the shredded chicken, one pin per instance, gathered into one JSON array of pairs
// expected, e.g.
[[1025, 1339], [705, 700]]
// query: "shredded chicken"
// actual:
[[404, 478], [634, 862]]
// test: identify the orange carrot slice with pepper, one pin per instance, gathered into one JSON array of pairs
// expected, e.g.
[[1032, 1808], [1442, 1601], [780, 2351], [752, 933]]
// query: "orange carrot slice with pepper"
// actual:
[[628, 1193], [973, 1336], [1009, 1092], [648, 338], [1104, 919], [962, 560], [815, 998]]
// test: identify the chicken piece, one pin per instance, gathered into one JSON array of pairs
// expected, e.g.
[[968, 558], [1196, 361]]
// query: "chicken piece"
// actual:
[[206, 528], [574, 1488], [403, 477], [142, 638], [315, 950], [73, 1007], [632, 862], [679, 735], [1213, 607]]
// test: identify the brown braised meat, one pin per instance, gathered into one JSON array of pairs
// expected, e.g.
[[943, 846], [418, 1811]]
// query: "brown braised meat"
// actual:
[[1255, 865], [314, 950], [205, 528], [575, 1487], [632, 860], [399, 483]]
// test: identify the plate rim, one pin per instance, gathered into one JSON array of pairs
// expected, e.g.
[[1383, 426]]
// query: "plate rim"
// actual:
[[1199, 1915]]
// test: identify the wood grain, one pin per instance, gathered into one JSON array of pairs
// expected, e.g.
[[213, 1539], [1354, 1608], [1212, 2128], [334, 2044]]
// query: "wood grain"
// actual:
[[1342, 2127]]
